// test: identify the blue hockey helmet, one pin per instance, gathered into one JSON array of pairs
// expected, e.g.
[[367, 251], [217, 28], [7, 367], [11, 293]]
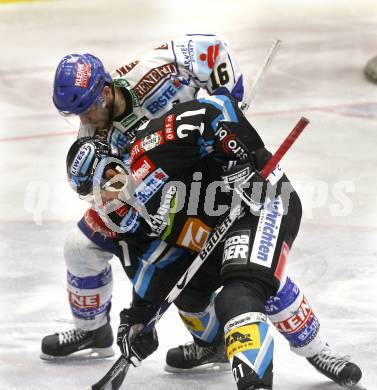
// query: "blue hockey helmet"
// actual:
[[78, 83]]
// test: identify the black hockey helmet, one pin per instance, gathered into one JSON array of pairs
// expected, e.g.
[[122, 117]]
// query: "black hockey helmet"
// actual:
[[83, 158]]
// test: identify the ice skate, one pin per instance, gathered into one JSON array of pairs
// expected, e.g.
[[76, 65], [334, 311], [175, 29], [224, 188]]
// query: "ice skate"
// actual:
[[337, 367], [77, 343], [193, 357]]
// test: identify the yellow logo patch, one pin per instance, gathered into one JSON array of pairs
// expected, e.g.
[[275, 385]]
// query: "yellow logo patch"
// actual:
[[193, 323], [241, 339]]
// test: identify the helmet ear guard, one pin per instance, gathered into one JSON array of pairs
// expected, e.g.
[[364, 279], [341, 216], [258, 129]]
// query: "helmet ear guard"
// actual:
[[79, 82], [82, 160]]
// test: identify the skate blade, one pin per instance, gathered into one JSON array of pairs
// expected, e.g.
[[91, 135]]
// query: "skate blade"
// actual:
[[91, 353], [209, 367]]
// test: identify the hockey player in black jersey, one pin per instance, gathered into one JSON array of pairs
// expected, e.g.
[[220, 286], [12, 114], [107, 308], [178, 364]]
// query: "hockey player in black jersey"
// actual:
[[197, 140]]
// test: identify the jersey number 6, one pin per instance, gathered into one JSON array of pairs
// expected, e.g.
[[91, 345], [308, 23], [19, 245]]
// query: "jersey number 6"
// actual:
[[220, 76]]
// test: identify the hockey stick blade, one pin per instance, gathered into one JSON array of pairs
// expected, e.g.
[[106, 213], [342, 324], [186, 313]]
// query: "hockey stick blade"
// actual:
[[114, 378]]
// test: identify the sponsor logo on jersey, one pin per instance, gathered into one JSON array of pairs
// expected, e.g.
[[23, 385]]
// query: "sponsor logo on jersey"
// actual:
[[142, 168], [128, 120], [236, 248], [84, 301], [231, 144], [194, 234], [150, 141], [122, 83], [130, 222], [169, 128], [267, 233], [86, 152], [123, 210], [126, 68], [117, 138], [210, 56], [162, 99], [150, 185], [188, 55], [238, 176], [160, 220], [147, 143], [135, 152], [83, 73], [153, 77], [219, 232], [300, 318]]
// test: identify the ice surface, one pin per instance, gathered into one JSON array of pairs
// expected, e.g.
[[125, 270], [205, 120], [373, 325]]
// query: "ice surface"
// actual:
[[317, 73]]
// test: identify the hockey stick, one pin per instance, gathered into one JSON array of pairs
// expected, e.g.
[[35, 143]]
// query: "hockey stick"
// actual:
[[114, 378], [249, 98]]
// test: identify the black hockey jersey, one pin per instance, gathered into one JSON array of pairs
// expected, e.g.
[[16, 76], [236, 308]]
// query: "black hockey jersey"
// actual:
[[176, 165]]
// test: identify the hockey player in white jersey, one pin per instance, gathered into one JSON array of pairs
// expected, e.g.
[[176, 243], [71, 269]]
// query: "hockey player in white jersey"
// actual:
[[113, 107]]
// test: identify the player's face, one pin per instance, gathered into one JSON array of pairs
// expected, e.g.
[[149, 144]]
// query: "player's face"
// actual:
[[98, 114]]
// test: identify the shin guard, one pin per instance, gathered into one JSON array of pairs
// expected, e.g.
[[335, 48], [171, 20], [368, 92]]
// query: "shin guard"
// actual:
[[294, 318], [250, 346]]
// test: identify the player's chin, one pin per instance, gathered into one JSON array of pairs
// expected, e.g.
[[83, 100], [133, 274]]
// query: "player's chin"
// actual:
[[101, 125]]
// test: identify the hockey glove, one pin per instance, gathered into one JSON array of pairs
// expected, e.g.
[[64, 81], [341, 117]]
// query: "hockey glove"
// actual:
[[134, 345], [248, 184]]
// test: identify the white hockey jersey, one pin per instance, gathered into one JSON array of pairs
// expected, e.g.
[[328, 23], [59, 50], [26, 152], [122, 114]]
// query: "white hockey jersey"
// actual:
[[173, 72]]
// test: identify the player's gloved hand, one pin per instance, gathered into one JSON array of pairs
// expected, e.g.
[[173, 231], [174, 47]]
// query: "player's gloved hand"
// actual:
[[135, 346], [248, 184]]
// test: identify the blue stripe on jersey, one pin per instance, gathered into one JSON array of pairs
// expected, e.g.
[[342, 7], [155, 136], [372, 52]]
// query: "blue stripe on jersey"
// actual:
[[152, 247], [229, 109], [210, 100], [222, 103], [215, 122], [147, 276], [145, 271], [90, 282], [174, 254]]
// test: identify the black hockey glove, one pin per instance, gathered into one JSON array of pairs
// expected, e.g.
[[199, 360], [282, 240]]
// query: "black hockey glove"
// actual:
[[248, 184], [135, 346]]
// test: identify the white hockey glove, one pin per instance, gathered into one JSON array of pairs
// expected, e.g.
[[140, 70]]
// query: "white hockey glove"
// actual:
[[248, 184], [134, 345]]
